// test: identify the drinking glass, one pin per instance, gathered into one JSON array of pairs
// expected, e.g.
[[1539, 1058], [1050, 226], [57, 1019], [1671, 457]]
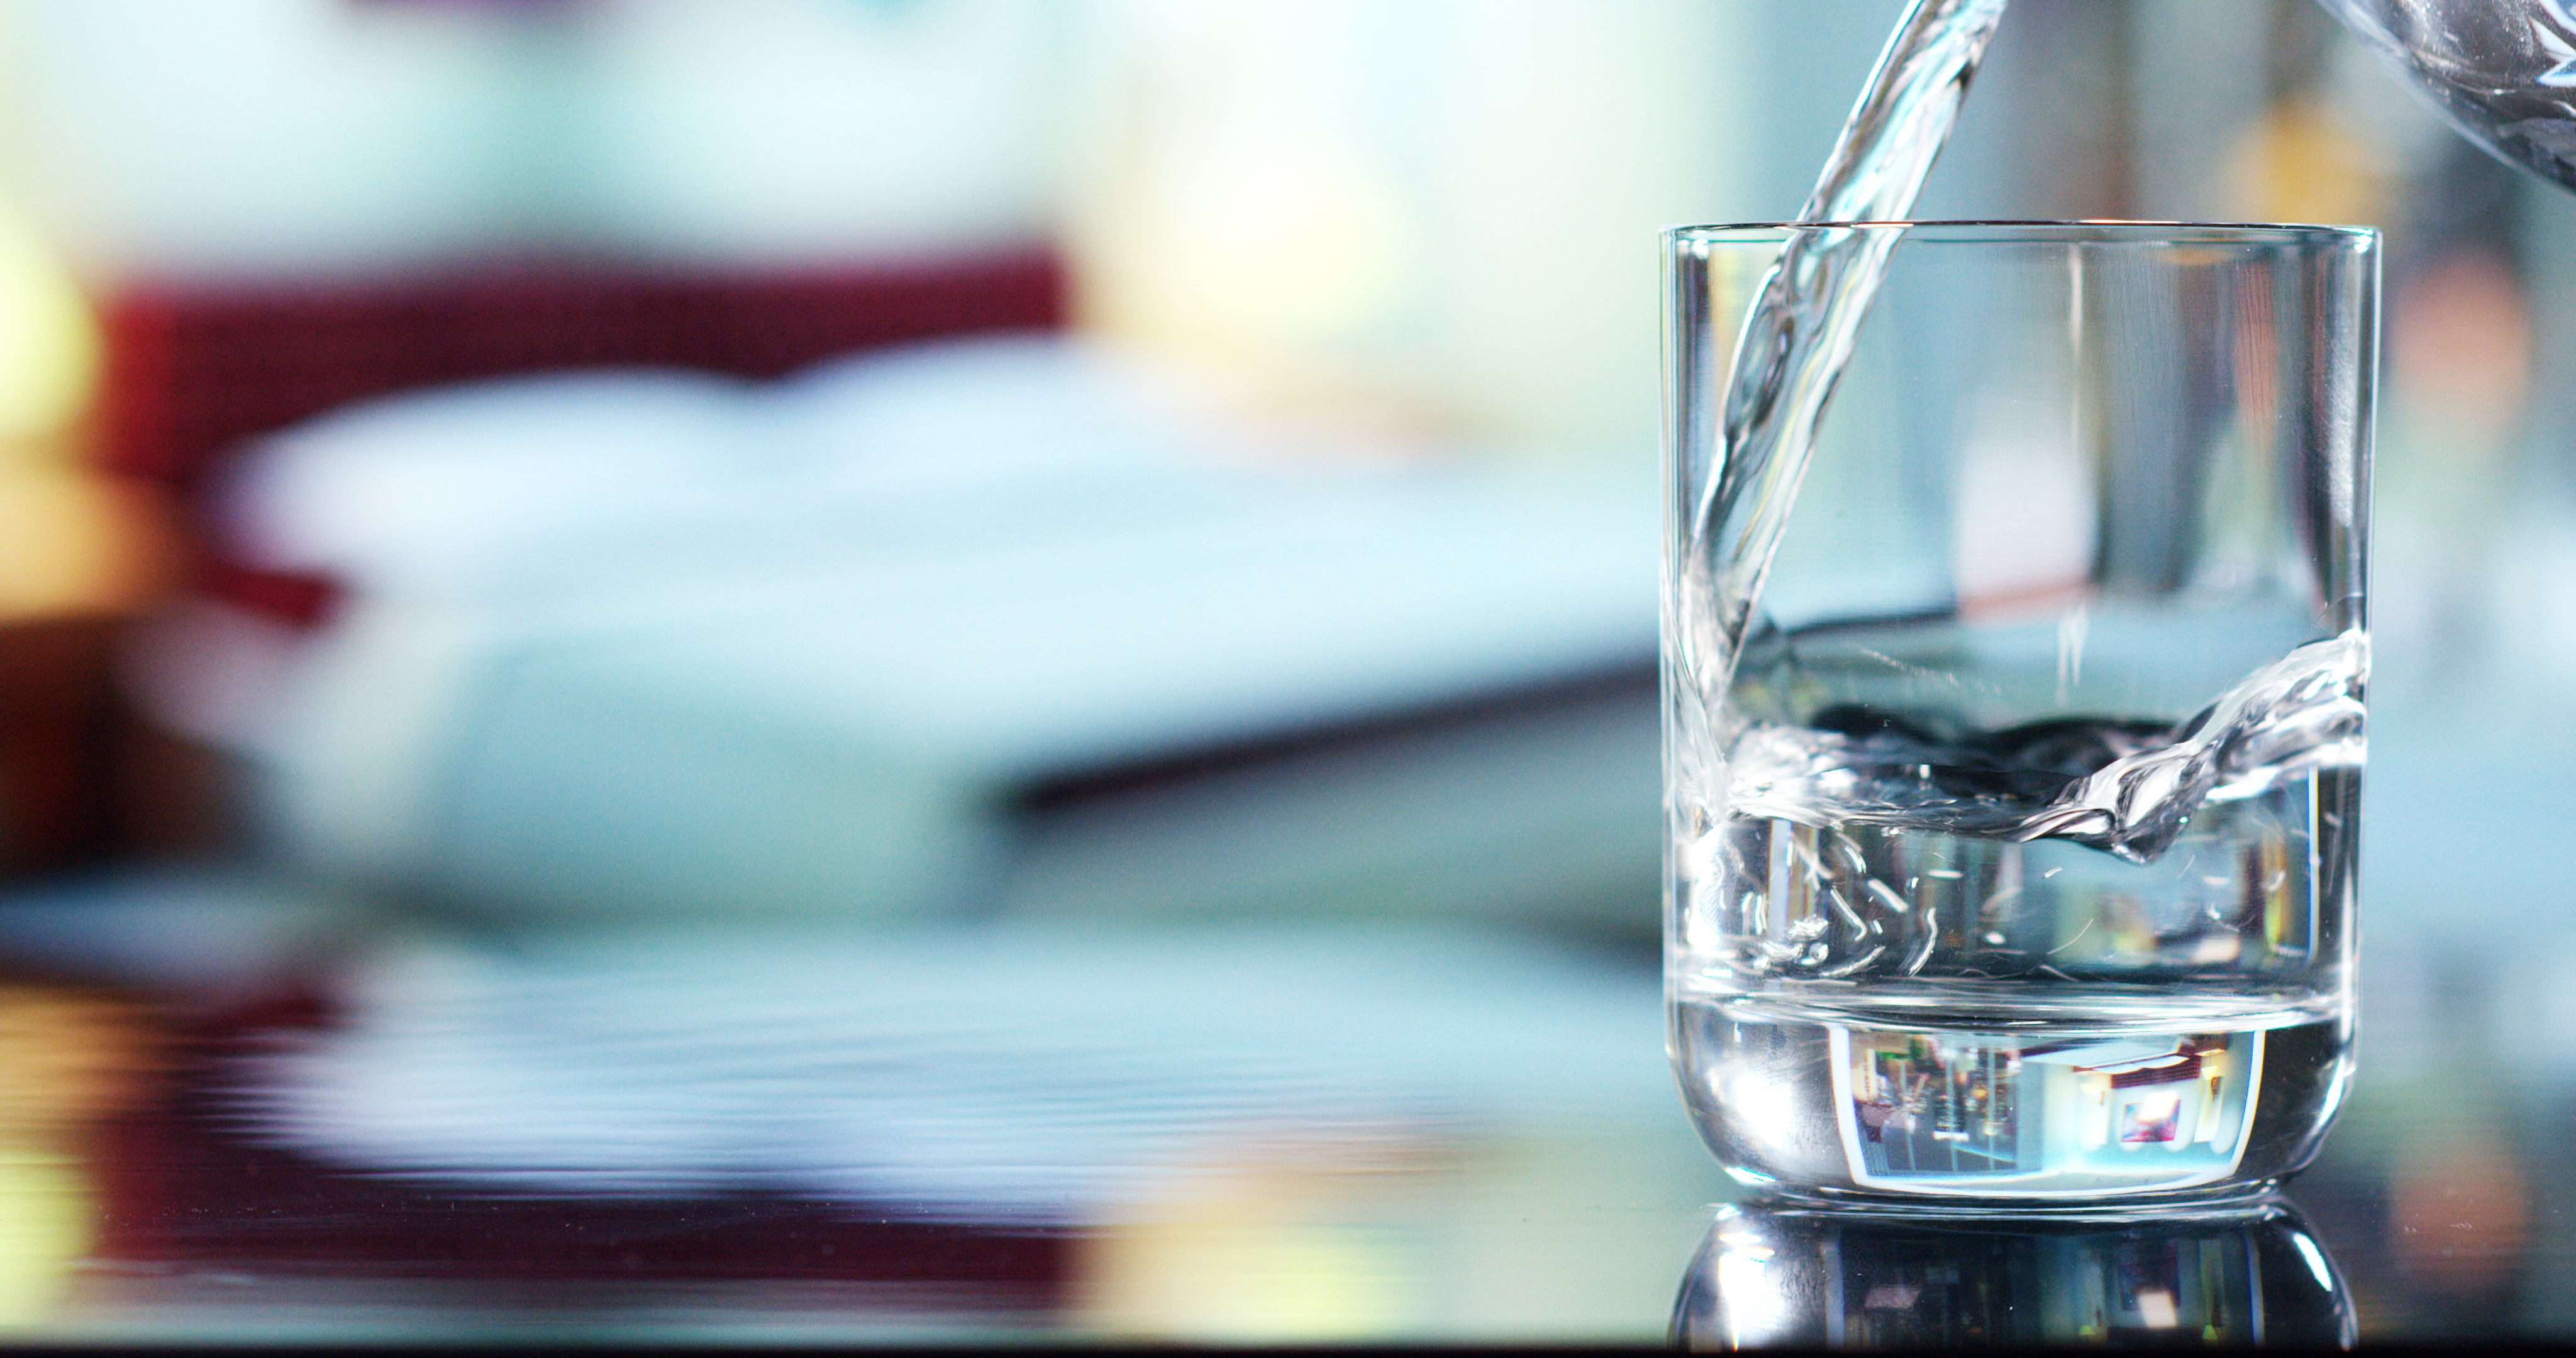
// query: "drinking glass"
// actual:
[[2010, 849]]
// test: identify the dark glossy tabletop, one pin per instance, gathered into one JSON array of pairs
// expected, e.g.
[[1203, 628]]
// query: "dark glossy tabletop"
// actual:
[[361, 1129]]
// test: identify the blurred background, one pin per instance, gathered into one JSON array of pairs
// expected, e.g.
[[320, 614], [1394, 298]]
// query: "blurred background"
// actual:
[[1059, 541]]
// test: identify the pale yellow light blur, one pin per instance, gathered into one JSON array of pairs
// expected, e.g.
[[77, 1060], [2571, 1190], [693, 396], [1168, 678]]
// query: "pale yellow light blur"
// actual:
[[2302, 163], [67, 1059], [1265, 1246], [76, 543], [47, 1213], [1239, 221], [48, 339], [1434, 217], [71, 542], [1281, 234]]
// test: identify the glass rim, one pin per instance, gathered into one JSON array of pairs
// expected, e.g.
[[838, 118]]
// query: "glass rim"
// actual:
[[2016, 231]]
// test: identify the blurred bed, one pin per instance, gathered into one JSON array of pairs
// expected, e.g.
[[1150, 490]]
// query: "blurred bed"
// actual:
[[535, 594]]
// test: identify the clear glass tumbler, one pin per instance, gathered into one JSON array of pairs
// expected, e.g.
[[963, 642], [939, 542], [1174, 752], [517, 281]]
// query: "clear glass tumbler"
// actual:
[[2011, 844]]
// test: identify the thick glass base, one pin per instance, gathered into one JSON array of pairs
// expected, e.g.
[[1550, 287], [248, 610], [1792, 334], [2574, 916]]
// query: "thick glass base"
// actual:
[[1883, 1108], [2214, 1202]]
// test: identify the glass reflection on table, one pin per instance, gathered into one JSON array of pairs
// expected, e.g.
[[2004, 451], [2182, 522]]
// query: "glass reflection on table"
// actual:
[[1775, 1274]]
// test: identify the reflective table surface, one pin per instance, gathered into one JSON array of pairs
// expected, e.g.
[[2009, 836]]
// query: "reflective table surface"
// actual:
[[229, 1118]]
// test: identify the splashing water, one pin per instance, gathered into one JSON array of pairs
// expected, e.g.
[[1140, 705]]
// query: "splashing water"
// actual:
[[1803, 325], [1898, 964], [2125, 787]]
